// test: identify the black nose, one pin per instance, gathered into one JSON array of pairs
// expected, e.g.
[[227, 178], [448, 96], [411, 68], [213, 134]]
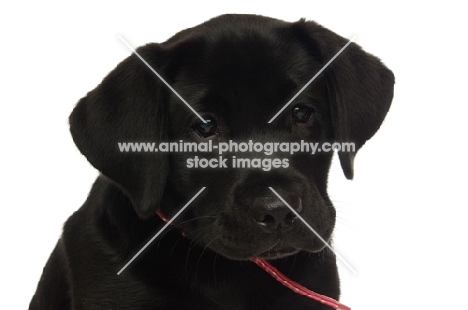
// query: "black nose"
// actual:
[[272, 214]]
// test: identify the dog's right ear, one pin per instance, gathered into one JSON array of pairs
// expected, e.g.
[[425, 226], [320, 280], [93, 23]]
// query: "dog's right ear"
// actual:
[[130, 105]]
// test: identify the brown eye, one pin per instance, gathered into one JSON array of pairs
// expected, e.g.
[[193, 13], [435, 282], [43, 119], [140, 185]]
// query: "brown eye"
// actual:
[[207, 129], [302, 113]]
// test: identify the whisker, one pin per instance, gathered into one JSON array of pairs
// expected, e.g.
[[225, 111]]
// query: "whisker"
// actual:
[[201, 254], [214, 268], [194, 219], [192, 241]]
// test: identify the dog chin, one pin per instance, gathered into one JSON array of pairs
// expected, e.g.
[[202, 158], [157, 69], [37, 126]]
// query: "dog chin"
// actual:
[[274, 252], [277, 251]]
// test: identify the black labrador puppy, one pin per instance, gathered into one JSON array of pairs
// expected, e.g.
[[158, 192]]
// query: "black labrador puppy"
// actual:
[[237, 72]]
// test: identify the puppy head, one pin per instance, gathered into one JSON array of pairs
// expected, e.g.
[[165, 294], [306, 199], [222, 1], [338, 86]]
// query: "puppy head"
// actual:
[[237, 72]]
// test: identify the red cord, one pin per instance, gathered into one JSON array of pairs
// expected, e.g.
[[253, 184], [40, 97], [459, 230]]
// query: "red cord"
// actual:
[[296, 287], [162, 216]]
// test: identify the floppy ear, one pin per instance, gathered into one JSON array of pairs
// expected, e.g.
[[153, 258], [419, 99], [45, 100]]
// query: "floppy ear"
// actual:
[[360, 90], [130, 105]]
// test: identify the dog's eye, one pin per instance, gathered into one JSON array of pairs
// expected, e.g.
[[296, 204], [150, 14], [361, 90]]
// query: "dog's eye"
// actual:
[[207, 129], [301, 113]]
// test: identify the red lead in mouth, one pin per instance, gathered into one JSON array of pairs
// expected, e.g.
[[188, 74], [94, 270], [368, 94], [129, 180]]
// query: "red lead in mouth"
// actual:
[[281, 278], [296, 287]]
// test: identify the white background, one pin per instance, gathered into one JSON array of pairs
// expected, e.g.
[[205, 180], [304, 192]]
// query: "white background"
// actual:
[[402, 221]]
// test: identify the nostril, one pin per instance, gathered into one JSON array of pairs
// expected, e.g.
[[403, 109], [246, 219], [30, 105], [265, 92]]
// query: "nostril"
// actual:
[[290, 217], [266, 219]]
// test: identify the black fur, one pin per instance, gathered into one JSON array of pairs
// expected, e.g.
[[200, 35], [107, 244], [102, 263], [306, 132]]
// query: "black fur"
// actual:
[[239, 70]]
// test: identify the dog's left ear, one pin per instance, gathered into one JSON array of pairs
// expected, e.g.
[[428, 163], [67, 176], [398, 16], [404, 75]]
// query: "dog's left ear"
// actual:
[[360, 88]]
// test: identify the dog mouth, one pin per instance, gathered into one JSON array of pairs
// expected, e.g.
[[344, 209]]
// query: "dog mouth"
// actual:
[[245, 244], [276, 250], [281, 250], [276, 253]]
